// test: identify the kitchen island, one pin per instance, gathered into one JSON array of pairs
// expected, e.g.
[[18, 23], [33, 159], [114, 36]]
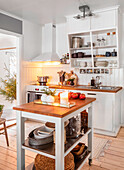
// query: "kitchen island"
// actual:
[[108, 108], [57, 115]]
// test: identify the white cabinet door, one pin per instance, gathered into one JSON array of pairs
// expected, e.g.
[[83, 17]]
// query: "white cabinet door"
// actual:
[[103, 112], [105, 19], [77, 26]]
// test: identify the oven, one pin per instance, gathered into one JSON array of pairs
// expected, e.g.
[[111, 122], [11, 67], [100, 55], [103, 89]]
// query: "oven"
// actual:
[[34, 92], [31, 96]]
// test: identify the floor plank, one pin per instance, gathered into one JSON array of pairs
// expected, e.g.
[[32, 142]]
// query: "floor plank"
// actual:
[[113, 158]]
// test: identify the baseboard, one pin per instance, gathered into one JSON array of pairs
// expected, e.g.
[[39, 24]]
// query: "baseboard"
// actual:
[[107, 133]]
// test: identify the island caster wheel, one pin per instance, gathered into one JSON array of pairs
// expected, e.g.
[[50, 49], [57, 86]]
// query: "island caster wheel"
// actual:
[[90, 162]]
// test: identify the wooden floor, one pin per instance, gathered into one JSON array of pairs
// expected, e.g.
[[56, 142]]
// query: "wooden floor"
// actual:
[[113, 158]]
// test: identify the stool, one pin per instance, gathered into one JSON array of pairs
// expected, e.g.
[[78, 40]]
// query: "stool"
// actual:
[[3, 121]]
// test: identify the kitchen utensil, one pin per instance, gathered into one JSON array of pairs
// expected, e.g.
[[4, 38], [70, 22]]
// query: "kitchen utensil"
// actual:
[[101, 63], [107, 54], [114, 53], [52, 126], [38, 142], [80, 55], [42, 132], [81, 153], [42, 79], [92, 81], [61, 76], [89, 44], [73, 129], [77, 42], [89, 64], [83, 64], [74, 55]]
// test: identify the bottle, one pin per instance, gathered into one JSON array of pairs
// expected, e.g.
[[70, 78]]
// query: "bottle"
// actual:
[[67, 55], [67, 59], [114, 38], [108, 39], [92, 81]]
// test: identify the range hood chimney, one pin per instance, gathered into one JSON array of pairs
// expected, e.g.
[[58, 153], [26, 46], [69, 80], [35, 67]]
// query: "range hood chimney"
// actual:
[[48, 44]]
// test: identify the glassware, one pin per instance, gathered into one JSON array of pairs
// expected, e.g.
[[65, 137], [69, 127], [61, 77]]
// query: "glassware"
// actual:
[[108, 39], [73, 130], [114, 38]]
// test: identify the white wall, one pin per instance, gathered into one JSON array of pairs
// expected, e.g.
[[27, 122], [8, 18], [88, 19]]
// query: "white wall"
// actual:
[[32, 40], [31, 45]]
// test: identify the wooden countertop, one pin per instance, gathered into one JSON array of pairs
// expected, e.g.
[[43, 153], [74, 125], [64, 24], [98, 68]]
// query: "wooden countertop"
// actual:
[[85, 88], [53, 110]]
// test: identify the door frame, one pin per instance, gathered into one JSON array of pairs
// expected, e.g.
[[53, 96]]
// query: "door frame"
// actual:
[[19, 53]]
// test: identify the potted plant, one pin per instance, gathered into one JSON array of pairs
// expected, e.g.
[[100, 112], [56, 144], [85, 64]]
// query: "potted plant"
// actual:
[[1, 109], [48, 96]]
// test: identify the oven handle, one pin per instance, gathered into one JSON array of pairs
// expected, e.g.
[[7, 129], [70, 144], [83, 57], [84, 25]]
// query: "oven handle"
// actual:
[[35, 93]]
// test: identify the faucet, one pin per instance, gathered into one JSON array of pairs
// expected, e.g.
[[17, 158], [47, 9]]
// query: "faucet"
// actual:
[[97, 82]]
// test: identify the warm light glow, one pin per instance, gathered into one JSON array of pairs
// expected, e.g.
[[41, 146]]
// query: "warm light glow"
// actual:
[[56, 104], [51, 63], [64, 98]]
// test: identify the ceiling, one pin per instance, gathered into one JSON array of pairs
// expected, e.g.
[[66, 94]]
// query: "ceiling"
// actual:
[[45, 11]]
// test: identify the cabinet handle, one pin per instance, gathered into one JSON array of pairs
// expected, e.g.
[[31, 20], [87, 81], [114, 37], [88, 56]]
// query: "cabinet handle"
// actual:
[[91, 94]]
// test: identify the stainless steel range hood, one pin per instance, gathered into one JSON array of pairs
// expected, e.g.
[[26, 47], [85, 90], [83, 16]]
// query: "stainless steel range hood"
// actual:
[[48, 44]]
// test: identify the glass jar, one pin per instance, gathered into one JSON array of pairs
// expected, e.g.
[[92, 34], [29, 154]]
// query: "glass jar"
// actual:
[[114, 38], [73, 130], [108, 39]]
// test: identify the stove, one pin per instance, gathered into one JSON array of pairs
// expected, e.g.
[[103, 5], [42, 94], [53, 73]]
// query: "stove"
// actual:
[[36, 88], [34, 92]]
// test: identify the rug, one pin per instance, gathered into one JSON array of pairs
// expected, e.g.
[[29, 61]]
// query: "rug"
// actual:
[[99, 145]]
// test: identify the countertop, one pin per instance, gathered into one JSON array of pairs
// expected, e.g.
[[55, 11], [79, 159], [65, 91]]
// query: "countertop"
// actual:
[[84, 88], [54, 111]]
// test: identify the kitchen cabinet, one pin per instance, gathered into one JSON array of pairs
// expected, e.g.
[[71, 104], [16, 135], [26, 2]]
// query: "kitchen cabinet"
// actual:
[[107, 112], [99, 36], [74, 26], [94, 55], [105, 19], [103, 110]]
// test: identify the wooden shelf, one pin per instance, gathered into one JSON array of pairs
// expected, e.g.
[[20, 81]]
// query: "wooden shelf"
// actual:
[[87, 58], [49, 149], [95, 47], [106, 58], [78, 164], [101, 47], [82, 48]]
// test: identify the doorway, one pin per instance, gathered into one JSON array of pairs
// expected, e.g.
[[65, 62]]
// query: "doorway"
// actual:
[[9, 67]]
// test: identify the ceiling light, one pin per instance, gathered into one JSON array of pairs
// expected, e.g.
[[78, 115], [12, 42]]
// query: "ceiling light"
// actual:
[[85, 9]]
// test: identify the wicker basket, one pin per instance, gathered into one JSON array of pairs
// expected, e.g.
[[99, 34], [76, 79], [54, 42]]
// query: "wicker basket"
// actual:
[[45, 163]]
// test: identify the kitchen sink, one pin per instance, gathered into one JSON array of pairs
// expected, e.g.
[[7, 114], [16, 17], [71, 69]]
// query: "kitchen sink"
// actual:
[[105, 88]]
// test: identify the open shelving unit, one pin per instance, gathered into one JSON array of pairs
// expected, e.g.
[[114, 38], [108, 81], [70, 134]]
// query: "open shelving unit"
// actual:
[[49, 149], [96, 49], [58, 150]]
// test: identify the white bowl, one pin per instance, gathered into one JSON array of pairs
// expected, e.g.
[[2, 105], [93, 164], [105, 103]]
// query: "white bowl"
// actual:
[[42, 132]]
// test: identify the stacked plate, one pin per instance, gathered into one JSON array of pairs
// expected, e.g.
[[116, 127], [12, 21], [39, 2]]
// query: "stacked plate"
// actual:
[[41, 136], [42, 132]]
